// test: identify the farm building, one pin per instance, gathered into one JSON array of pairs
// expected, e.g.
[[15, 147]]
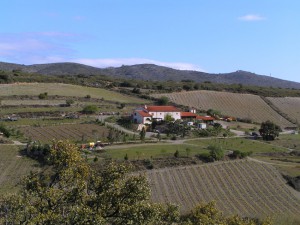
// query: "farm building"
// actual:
[[141, 116], [146, 114]]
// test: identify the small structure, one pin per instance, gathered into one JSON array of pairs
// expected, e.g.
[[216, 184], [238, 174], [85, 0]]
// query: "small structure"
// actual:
[[142, 117], [202, 125], [206, 119]]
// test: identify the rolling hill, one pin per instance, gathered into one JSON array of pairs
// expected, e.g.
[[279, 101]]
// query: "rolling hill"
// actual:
[[152, 72]]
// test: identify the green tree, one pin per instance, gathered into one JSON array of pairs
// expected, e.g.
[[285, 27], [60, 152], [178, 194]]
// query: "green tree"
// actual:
[[269, 130], [69, 192], [163, 100], [143, 134], [169, 118]]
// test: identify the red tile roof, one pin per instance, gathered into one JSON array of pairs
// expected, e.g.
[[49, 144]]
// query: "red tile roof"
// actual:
[[204, 118], [188, 114], [143, 114], [161, 109]]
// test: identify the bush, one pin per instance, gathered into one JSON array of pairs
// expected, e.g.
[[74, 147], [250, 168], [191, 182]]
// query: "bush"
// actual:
[[6, 132], [216, 152], [43, 95], [237, 154], [90, 109], [69, 102]]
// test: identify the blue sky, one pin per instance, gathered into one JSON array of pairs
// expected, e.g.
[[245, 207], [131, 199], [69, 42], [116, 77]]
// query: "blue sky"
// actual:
[[260, 36]]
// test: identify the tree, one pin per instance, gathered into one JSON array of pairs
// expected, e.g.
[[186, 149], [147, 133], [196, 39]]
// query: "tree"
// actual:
[[169, 118], [143, 134], [163, 100], [269, 130], [69, 192]]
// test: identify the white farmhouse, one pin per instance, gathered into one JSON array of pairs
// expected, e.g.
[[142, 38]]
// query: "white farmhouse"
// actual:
[[148, 113]]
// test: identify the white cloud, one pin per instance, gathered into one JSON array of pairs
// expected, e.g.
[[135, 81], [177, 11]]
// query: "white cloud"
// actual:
[[104, 63], [51, 47], [251, 17]]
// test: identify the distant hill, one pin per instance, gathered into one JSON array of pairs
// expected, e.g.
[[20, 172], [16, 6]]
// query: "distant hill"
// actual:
[[152, 72]]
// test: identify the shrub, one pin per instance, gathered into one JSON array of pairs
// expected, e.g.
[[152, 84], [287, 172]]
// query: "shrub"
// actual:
[[43, 95], [6, 132], [216, 152], [90, 109]]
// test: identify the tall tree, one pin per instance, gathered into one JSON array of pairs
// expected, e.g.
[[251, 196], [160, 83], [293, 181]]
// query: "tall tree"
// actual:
[[269, 130]]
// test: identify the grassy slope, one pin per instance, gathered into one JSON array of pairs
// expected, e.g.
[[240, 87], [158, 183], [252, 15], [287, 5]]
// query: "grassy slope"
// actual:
[[145, 151], [34, 89], [13, 167]]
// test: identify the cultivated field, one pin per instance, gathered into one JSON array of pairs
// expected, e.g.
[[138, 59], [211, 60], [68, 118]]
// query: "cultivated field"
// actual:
[[13, 167], [74, 132], [25, 102], [229, 104], [243, 187], [289, 106], [34, 89]]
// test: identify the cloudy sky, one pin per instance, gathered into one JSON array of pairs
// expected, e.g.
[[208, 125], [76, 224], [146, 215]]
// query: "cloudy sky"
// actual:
[[260, 36]]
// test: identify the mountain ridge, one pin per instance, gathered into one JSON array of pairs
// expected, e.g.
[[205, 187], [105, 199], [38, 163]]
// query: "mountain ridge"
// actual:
[[152, 72]]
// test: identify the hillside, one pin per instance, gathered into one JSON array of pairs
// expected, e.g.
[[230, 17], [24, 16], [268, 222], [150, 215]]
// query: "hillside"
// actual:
[[152, 72], [244, 187], [242, 106], [288, 105], [59, 89]]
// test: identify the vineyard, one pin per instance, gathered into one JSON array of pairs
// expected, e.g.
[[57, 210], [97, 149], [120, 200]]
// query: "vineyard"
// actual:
[[74, 132], [243, 187], [25, 102], [243, 106], [13, 167], [289, 106], [59, 89]]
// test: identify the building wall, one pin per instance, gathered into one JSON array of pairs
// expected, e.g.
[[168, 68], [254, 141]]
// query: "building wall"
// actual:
[[137, 118], [162, 115]]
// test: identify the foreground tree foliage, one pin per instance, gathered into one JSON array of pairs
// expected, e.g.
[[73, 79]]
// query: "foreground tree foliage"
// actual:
[[69, 192]]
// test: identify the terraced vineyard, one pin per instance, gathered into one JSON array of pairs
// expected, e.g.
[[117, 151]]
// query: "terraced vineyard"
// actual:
[[75, 132], [229, 104], [25, 102], [34, 89], [289, 106], [243, 187]]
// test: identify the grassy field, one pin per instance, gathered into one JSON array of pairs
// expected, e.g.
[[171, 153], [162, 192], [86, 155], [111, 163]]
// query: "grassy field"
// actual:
[[13, 167], [290, 141], [242, 187], [34, 89], [149, 151], [289, 106], [244, 106]]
